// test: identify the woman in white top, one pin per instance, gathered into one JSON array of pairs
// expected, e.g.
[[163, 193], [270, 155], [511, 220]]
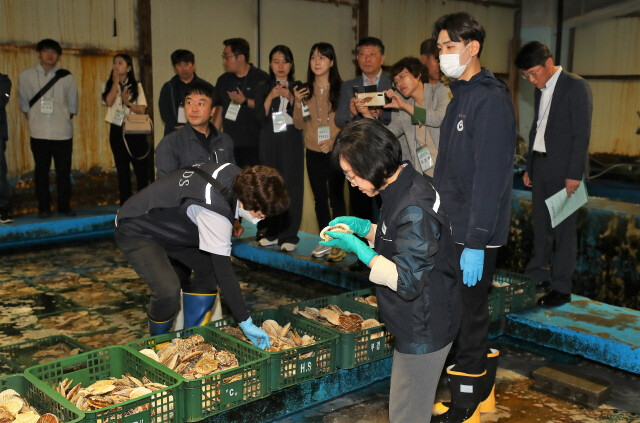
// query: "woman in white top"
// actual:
[[123, 95]]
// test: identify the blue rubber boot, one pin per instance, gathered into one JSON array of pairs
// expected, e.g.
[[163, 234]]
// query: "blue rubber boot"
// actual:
[[197, 308], [158, 328]]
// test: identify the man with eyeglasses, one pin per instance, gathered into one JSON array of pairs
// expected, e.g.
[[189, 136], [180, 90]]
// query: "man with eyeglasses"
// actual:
[[171, 102], [370, 56], [235, 101], [558, 153]]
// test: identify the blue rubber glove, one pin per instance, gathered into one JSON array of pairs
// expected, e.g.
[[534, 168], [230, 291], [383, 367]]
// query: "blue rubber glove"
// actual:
[[471, 263], [256, 335], [350, 243], [359, 226]]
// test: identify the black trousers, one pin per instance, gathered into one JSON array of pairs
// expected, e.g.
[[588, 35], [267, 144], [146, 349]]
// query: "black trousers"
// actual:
[[43, 151], [472, 344], [246, 156], [153, 263], [327, 182], [123, 160], [565, 236], [284, 151]]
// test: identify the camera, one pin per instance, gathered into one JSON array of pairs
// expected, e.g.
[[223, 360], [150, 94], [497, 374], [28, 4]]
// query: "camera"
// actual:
[[299, 85], [374, 99]]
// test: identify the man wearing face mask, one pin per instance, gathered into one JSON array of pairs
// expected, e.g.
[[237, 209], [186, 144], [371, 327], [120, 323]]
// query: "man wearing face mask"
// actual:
[[187, 216], [473, 175]]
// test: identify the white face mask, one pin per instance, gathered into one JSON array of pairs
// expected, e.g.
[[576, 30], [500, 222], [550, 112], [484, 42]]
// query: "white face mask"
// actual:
[[450, 64], [246, 215]]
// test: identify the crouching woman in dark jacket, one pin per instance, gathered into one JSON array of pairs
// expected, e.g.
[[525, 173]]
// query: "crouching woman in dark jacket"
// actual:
[[413, 262]]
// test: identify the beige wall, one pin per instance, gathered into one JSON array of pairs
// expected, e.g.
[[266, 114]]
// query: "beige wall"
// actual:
[[404, 24], [611, 48]]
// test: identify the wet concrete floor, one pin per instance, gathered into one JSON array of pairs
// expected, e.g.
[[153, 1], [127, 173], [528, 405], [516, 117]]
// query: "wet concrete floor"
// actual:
[[88, 293]]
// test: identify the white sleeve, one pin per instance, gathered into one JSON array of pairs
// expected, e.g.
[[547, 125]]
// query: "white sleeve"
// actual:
[[141, 100], [214, 230]]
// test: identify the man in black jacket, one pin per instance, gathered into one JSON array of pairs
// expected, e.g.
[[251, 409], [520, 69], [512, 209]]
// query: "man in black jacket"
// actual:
[[558, 149], [473, 175], [187, 216], [171, 102], [5, 190]]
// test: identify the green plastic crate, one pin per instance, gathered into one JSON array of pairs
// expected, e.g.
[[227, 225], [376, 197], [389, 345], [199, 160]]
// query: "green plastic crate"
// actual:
[[519, 294], [360, 293], [36, 397], [289, 367], [20, 356], [163, 405], [354, 348], [496, 304], [210, 395]]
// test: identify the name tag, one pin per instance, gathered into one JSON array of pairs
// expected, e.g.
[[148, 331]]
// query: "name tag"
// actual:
[[425, 158], [324, 133], [118, 117], [232, 111], [46, 106], [279, 123], [182, 118]]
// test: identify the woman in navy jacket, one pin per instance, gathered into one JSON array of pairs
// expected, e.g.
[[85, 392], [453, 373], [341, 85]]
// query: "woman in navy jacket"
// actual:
[[413, 261]]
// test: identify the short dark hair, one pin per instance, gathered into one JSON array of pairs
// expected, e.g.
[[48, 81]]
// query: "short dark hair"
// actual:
[[370, 41], [201, 87], [261, 188], [182, 55], [460, 27], [429, 48], [412, 64], [238, 46], [532, 54], [49, 44], [370, 148]]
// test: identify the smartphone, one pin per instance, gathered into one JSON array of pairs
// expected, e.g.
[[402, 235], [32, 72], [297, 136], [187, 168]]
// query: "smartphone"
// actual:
[[375, 99]]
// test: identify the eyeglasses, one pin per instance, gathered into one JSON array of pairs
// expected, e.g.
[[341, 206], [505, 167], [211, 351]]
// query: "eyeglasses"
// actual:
[[530, 75], [347, 177], [228, 56], [398, 78]]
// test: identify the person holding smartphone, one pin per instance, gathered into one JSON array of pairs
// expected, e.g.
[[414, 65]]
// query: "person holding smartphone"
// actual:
[[123, 95], [281, 147], [317, 122]]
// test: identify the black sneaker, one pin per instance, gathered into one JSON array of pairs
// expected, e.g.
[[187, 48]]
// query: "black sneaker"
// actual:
[[5, 216]]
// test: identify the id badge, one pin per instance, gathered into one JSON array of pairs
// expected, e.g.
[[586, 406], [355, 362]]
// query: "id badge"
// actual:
[[424, 156], [182, 118], [232, 111], [46, 106], [279, 124], [118, 117], [324, 133]]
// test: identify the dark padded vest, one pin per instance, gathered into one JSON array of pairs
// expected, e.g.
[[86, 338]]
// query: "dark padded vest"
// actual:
[[159, 212], [430, 321]]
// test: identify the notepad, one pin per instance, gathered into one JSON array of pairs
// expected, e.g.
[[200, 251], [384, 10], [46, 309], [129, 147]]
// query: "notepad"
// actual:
[[561, 206]]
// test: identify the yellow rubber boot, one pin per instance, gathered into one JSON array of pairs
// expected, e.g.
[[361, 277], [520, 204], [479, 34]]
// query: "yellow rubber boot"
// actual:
[[488, 404], [466, 390]]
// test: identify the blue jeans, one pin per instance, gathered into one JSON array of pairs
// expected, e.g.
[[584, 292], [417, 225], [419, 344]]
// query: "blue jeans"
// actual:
[[5, 189]]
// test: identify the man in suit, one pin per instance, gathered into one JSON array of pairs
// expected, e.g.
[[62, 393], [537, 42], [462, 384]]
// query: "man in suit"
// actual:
[[370, 57], [558, 148]]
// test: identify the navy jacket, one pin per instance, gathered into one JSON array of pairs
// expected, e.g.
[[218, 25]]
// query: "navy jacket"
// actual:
[[184, 147], [568, 130], [5, 93], [474, 170], [423, 314]]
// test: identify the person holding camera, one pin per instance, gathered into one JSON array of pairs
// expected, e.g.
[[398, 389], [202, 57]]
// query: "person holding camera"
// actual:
[[314, 113], [123, 95], [281, 147], [419, 110]]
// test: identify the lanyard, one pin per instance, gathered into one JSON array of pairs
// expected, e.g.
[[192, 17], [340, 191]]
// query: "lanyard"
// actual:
[[315, 97], [544, 113]]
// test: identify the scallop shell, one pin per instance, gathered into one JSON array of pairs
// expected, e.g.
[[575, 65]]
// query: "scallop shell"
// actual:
[[339, 227], [150, 353]]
